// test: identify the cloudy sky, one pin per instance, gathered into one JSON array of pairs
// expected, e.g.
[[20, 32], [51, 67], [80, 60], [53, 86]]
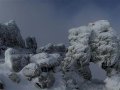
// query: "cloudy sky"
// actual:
[[50, 20]]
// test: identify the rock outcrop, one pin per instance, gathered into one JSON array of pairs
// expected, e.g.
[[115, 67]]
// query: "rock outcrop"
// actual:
[[31, 44], [10, 35]]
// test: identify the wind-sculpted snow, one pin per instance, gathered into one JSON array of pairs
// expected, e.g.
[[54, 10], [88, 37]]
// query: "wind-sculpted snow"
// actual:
[[57, 67]]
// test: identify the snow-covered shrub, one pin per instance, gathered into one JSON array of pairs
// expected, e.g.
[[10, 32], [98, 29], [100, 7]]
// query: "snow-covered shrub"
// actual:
[[14, 60], [32, 70]]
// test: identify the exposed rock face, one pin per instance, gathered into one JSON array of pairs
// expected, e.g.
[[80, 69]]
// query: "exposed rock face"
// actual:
[[10, 35], [31, 44], [15, 60]]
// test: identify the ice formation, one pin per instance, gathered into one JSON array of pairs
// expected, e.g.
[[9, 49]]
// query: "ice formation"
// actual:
[[57, 67]]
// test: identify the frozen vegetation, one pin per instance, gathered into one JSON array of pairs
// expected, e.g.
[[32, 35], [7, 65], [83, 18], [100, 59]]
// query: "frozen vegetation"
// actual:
[[25, 66]]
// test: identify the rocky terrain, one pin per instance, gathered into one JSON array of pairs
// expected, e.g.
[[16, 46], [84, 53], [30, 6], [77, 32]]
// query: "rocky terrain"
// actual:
[[25, 66]]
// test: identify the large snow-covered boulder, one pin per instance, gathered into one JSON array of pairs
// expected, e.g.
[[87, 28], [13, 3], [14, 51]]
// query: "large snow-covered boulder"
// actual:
[[14, 60], [104, 43], [32, 70], [46, 61]]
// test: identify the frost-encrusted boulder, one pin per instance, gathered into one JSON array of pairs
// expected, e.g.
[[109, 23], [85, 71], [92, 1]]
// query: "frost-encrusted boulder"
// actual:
[[14, 60], [44, 81], [32, 70], [46, 61], [14, 77], [10, 35], [31, 44], [78, 55], [51, 48], [104, 43]]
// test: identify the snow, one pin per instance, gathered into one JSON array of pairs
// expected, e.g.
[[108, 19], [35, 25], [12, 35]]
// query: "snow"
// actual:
[[44, 58]]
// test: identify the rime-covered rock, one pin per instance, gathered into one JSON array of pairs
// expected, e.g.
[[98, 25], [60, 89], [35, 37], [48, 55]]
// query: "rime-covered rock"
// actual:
[[31, 44], [14, 60], [14, 77], [79, 55], [32, 70], [104, 43], [46, 61], [51, 48]]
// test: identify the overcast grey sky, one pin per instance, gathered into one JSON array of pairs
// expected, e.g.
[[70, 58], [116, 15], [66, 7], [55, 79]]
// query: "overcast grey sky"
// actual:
[[50, 20]]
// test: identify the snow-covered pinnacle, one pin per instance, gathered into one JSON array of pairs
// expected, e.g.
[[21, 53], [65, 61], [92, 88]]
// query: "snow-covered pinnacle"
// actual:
[[104, 43], [97, 43]]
